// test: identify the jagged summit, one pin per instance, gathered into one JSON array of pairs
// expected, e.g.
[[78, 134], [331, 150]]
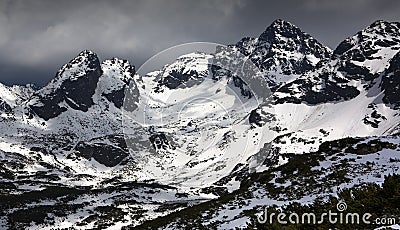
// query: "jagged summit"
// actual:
[[78, 81], [85, 55], [86, 61], [280, 28], [284, 52]]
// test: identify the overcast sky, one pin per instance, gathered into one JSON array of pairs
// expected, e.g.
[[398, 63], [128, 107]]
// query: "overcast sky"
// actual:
[[37, 37]]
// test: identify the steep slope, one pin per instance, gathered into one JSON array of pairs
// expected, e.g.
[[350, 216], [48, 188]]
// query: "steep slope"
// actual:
[[82, 72], [390, 84], [283, 52]]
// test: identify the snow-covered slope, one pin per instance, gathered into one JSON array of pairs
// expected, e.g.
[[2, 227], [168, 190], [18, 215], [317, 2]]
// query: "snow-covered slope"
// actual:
[[346, 95], [10, 97], [198, 125], [308, 180]]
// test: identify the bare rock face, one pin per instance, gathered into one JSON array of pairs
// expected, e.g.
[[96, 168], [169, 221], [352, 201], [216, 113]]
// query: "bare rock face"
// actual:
[[74, 85], [391, 82]]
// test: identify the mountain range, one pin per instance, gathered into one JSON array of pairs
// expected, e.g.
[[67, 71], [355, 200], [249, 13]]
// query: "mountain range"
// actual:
[[101, 146]]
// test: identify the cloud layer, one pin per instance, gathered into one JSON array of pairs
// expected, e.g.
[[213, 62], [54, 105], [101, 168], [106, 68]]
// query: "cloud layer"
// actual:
[[37, 37]]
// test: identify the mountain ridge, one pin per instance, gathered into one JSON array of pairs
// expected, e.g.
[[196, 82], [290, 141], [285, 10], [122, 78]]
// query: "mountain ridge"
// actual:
[[110, 140]]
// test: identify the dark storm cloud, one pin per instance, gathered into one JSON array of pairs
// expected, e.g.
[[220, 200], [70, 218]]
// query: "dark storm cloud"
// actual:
[[37, 37]]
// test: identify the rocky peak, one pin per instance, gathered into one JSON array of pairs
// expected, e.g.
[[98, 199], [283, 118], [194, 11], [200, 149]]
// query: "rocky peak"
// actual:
[[284, 51], [281, 28], [284, 35], [84, 63], [73, 86]]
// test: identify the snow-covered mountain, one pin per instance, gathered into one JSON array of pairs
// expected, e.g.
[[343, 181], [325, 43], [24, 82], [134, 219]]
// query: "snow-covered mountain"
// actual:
[[65, 120], [283, 52], [355, 66], [194, 130]]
